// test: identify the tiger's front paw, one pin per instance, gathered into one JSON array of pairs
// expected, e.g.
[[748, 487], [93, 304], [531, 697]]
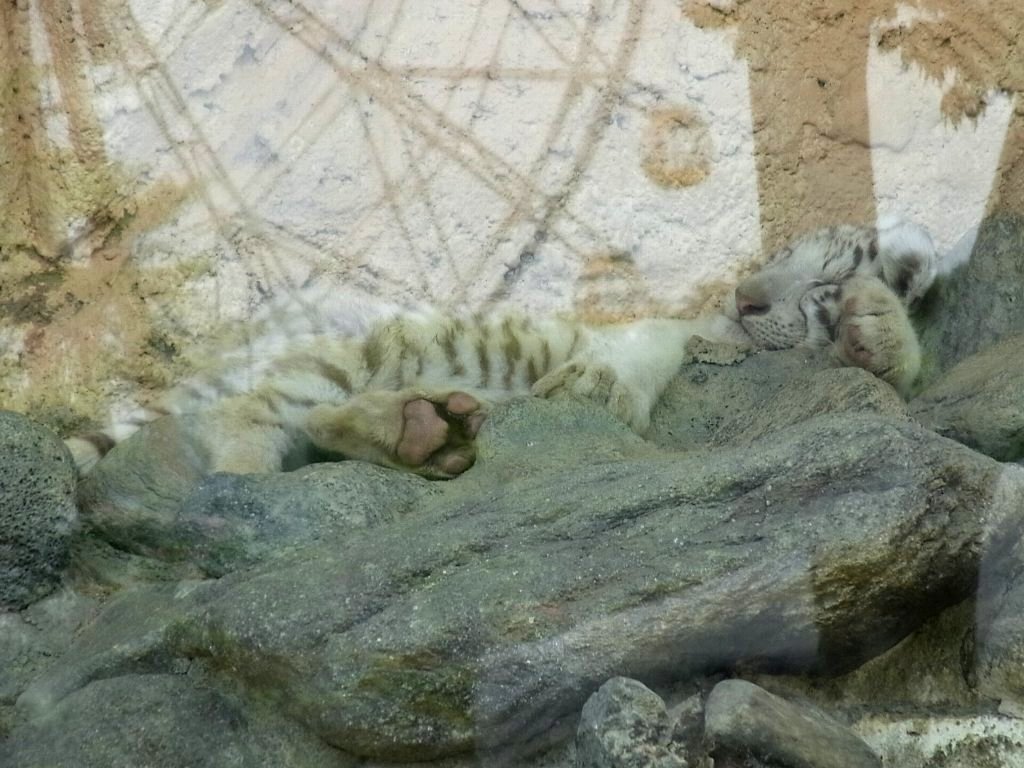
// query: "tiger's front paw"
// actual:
[[601, 384], [875, 333]]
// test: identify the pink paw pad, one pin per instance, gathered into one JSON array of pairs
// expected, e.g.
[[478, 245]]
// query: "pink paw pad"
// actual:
[[437, 434]]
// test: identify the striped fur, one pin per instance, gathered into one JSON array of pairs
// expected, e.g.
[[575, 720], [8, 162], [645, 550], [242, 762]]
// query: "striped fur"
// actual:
[[412, 391]]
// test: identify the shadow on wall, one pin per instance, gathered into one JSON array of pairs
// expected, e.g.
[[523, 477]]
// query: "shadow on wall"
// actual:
[[808, 66]]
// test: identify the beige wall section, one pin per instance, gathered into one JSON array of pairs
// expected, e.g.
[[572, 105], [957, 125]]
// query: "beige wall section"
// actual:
[[168, 165]]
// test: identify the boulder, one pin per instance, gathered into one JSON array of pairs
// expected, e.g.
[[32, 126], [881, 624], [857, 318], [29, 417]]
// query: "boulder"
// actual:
[[33, 640], [815, 393], [37, 511], [235, 521], [980, 402], [98, 565], [131, 498], [931, 670], [948, 695]]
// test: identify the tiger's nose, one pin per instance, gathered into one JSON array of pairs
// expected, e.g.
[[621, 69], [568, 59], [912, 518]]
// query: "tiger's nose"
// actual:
[[750, 303]]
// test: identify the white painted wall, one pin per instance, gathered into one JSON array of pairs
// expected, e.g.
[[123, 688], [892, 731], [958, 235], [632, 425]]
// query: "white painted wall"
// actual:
[[462, 152]]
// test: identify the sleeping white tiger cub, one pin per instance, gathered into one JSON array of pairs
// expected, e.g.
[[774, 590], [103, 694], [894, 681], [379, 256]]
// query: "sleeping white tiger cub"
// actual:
[[414, 391]]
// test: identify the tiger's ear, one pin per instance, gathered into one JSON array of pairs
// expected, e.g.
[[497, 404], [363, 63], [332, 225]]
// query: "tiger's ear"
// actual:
[[908, 262]]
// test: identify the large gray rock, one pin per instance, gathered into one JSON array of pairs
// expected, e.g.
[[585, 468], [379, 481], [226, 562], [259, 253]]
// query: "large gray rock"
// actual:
[[160, 721], [150, 496], [742, 719], [980, 402], [981, 302], [485, 619], [37, 511], [625, 725]]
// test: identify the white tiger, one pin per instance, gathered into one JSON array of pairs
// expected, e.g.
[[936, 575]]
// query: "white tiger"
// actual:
[[414, 391]]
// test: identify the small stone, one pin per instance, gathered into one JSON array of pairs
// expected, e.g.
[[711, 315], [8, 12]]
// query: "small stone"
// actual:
[[625, 725], [743, 719]]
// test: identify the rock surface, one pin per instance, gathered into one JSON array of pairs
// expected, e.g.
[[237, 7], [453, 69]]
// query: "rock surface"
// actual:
[[485, 619], [37, 511], [160, 721], [32, 640], [980, 402], [743, 719], [999, 639], [939, 740], [625, 725], [131, 634], [979, 303], [184, 160], [29, 637]]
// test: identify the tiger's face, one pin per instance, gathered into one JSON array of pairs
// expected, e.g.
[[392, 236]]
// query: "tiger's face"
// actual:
[[797, 299]]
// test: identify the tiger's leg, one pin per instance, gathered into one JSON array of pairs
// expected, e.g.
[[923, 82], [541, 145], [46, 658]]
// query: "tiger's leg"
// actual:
[[245, 435], [624, 368], [429, 433]]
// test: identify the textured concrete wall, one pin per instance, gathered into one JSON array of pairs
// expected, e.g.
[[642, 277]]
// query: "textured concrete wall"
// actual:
[[168, 165]]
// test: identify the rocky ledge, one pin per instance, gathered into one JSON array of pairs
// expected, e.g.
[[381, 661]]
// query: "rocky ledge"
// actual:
[[794, 569]]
